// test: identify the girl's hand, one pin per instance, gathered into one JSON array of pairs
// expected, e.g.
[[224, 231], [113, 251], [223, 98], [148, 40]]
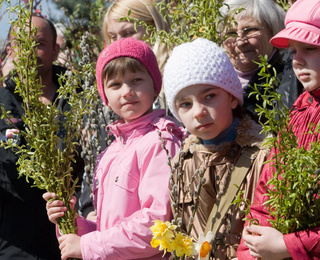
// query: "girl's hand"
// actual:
[[265, 242], [70, 246], [55, 208]]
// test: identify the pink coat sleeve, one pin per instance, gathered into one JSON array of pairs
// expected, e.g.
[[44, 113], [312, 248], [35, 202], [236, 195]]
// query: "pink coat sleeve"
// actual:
[[301, 245], [131, 239], [85, 226]]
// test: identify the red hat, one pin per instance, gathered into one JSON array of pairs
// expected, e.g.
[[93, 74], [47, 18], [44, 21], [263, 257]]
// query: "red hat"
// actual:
[[302, 24], [129, 47]]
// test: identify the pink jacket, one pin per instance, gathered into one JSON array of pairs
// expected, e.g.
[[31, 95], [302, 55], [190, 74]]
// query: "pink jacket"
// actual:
[[305, 244], [131, 189]]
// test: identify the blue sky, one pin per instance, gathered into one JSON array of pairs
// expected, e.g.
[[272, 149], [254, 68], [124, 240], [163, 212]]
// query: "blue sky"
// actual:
[[47, 8]]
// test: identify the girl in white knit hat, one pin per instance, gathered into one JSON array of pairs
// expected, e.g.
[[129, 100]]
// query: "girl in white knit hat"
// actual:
[[205, 94]]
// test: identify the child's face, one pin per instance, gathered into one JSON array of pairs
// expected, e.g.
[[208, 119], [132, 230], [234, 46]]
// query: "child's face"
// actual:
[[306, 64], [205, 110], [130, 96]]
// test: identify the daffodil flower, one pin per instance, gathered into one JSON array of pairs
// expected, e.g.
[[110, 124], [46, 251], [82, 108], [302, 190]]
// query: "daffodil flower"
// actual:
[[162, 229], [203, 246], [182, 245], [162, 234]]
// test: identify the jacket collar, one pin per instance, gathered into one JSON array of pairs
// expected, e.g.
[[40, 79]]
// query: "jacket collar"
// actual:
[[307, 99], [316, 95], [248, 134], [138, 126]]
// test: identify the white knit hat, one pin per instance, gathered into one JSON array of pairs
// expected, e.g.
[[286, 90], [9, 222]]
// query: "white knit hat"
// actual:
[[199, 62]]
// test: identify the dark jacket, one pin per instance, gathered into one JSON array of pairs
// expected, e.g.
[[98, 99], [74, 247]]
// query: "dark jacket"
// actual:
[[25, 231], [290, 88]]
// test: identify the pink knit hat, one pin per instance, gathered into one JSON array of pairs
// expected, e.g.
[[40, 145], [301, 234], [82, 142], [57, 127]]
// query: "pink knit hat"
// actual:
[[128, 47], [302, 24]]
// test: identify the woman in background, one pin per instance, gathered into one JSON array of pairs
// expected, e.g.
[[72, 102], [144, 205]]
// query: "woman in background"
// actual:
[[249, 25]]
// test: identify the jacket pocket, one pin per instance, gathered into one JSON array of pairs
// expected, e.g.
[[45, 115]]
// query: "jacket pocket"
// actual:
[[126, 180]]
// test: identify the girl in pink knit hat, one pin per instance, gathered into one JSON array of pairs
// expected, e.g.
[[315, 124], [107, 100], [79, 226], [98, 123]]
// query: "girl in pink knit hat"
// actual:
[[132, 175], [302, 36]]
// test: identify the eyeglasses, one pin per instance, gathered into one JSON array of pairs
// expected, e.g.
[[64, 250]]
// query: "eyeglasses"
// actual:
[[248, 32]]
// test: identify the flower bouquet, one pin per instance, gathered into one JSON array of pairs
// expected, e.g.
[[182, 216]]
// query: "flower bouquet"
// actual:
[[168, 239]]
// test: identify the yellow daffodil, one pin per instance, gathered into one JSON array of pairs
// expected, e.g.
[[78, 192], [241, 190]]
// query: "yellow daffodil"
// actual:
[[162, 235], [203, 246], [182, 245], [162, 244], [162, 229]]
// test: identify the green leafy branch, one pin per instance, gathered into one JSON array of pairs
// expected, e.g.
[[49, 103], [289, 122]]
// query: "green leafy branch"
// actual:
[[244, 206], [187, 19], [51, 135], [293, 190]]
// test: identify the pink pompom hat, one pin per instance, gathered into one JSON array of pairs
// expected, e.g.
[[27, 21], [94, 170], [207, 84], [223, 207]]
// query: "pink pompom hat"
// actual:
[[302, 24], [129, 47]]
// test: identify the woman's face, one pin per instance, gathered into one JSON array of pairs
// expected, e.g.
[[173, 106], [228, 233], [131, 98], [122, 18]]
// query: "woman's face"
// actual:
[[251, 42], [118, 30]]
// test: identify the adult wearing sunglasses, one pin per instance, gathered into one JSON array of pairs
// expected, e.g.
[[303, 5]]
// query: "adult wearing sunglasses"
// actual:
[[249, 25]]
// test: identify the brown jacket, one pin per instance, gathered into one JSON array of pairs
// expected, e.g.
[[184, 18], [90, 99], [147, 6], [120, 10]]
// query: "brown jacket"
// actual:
[[219, 162]]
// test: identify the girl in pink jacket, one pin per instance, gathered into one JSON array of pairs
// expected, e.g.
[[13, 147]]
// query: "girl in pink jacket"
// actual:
[[302, 37], [132, 174]]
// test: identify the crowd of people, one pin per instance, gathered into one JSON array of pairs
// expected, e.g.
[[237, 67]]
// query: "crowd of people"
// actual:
[[198, 98]]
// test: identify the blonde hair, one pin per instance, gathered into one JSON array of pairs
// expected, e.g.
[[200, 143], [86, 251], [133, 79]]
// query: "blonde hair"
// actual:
[[143, 10]]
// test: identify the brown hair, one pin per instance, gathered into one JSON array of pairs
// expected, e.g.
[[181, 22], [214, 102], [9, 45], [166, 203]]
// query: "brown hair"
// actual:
[[121, 65]]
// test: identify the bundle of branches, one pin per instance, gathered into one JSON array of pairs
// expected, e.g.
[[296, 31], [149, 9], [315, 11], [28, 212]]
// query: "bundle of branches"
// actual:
[[293, 191], [83, 45], [50, 134]]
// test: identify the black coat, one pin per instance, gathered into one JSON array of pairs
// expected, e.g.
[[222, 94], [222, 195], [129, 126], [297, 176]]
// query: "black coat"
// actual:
[[25, 231], [290, 87]]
